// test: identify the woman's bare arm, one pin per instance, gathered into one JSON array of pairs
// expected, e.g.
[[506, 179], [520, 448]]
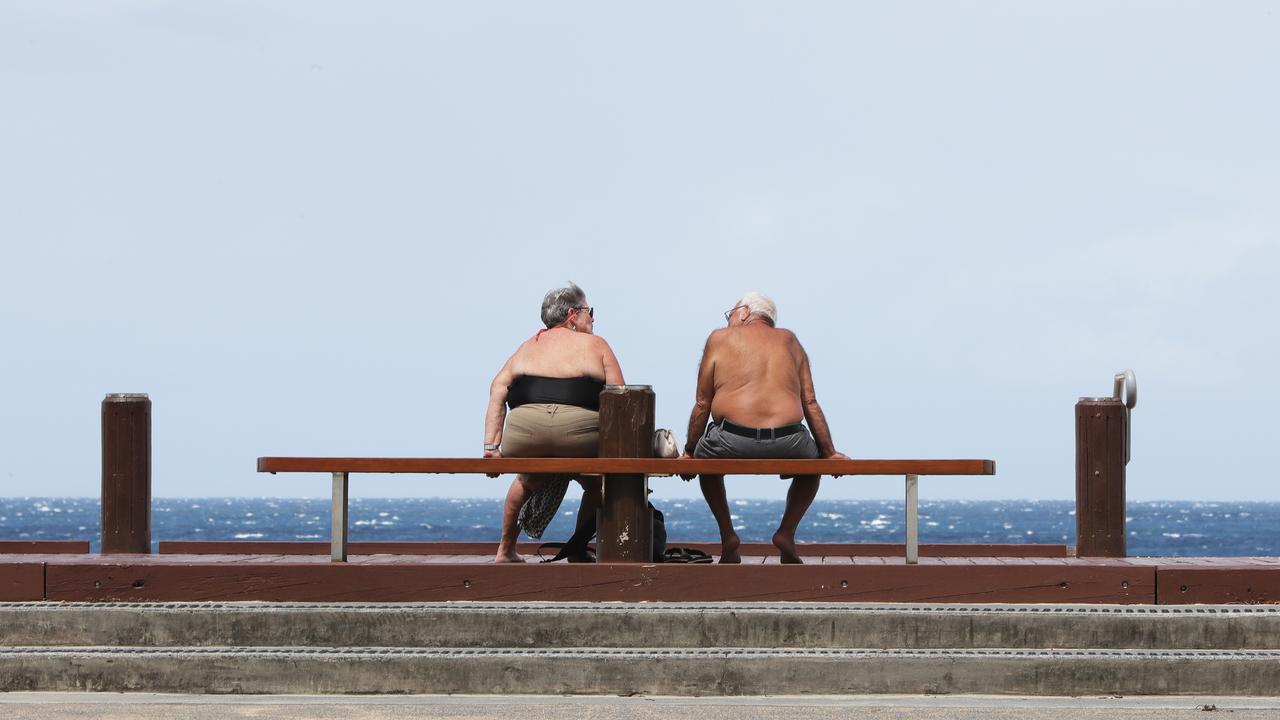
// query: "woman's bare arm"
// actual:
[[497, 411], [612, 370]]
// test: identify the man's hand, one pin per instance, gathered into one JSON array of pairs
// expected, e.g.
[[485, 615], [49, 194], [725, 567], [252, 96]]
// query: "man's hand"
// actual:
[[837, 456], [689, 476], [493, 454]]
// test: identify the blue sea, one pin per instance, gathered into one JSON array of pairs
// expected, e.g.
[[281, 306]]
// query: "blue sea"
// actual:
[[1155, 528]]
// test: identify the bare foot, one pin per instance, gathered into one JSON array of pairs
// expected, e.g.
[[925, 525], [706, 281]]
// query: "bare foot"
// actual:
[[507, 556], [729, 550], [786, 545]]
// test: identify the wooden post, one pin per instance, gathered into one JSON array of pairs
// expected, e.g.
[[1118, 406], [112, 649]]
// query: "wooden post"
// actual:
[[126, 474], [626, 430], [1100, 461]]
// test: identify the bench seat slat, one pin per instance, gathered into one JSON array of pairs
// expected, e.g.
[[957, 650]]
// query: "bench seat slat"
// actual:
[[650, 466]]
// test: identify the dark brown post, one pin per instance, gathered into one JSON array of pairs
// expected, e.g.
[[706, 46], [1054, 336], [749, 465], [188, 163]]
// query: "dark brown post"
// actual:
[[126, 474], [1100, 461], [626, 430]]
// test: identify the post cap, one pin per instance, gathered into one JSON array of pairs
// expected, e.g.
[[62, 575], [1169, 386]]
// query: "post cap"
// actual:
[[619, 389], [126, 397]]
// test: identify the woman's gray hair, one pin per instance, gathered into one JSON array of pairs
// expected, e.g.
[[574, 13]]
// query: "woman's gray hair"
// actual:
[[557, 304], [759, 305]]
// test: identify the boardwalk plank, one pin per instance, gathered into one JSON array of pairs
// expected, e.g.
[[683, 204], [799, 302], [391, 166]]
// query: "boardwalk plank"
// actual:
[[21, 581], [426, 581], [1181, 584]]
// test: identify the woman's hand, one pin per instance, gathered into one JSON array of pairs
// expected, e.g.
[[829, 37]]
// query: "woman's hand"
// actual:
[[493, 454]]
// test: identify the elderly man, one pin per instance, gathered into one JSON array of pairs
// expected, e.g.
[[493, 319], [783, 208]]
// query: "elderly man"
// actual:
[[754, 381]]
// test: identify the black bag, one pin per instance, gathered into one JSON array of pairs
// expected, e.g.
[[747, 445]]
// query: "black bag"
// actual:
[[686, 555], [576, 549]]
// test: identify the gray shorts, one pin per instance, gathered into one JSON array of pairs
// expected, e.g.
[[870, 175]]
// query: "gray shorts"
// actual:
[[716, 443]]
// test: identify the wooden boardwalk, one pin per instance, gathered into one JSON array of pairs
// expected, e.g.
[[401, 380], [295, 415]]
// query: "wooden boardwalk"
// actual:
[[465, 571]]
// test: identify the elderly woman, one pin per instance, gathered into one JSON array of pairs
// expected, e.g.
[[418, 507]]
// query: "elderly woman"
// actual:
[[552, 384]]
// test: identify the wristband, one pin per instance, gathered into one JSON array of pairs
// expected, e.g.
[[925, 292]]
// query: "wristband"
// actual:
[[491, 446]]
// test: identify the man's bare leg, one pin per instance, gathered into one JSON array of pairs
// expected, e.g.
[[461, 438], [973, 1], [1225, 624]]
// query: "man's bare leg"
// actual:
[[521, 488], [714, 493], [804, 488]]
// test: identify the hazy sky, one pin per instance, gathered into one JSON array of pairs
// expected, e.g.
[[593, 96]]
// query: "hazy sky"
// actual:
[[312, 228]]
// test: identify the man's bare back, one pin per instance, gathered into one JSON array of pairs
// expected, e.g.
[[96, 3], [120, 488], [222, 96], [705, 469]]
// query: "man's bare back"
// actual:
[[756, 373]]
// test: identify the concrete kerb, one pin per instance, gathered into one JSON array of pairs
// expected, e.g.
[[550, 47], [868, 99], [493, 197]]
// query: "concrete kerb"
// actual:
[[616, 625], [656, 672]]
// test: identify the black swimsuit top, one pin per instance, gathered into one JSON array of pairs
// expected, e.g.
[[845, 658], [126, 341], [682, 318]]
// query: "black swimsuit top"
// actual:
[[583, 392]]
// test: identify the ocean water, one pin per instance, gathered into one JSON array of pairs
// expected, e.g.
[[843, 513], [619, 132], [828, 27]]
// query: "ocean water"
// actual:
[[1155, 528]]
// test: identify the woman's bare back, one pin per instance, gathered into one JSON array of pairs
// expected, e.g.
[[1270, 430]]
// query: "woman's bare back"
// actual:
[[563, 353]]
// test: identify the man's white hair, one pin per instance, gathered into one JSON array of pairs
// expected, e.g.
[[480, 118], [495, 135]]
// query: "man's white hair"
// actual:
[[761, 306]]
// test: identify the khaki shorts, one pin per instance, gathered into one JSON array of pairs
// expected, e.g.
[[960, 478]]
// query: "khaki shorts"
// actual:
[[551, 430]]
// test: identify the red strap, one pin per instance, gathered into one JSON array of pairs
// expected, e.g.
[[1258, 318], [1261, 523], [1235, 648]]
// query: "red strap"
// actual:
[[553, 327]]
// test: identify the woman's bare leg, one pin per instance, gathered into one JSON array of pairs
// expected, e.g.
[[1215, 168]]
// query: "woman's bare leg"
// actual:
[[521, 488], [591, 499]]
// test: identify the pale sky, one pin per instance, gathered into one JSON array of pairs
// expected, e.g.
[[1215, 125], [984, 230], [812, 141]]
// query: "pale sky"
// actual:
[[310, 228]]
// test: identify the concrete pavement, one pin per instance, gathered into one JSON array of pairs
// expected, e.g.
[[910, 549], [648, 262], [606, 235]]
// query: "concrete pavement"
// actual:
[[148, 706]]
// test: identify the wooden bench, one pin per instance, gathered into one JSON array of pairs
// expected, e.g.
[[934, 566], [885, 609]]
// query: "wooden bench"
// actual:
[[342, 468]]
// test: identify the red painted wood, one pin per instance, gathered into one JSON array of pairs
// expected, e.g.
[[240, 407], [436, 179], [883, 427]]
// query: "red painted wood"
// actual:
[[317, 580], [624, 531], [71, 547], [20, 581], [126, 474], [652, 466], [1100, 477], [261, 547], [1217, 582]]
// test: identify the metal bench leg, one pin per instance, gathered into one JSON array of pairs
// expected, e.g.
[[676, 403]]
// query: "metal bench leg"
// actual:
[[913, 520], [339, 549]]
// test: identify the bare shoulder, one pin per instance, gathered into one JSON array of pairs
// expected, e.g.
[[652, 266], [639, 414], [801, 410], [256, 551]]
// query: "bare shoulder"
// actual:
[[516, 362], [715, 341], [792, 343], [523, 348], [788, 337]]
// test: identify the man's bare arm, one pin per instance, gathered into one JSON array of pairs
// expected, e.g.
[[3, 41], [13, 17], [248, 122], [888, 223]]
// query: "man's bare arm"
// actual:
[[813, 411], [702, 399]]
